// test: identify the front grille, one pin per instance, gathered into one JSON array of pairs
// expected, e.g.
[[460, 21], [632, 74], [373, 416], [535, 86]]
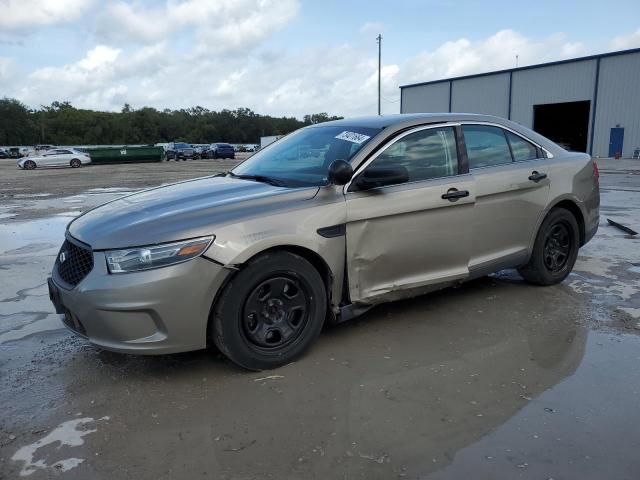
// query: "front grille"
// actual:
[[74, 262]]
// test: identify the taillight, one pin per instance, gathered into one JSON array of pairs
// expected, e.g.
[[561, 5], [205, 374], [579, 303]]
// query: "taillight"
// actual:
[[596, 172]]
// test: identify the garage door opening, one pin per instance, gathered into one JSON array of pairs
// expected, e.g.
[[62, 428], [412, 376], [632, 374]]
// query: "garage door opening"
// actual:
[[565, 123]]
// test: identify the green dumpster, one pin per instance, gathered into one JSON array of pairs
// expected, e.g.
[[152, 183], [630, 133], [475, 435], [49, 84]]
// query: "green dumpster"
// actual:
[[125, 154]]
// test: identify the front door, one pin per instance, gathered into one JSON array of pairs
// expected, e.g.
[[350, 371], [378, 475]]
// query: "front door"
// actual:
[[616, 140], [404, 239]]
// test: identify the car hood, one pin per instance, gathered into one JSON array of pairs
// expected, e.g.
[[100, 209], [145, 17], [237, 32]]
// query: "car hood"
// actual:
[[182, 210]]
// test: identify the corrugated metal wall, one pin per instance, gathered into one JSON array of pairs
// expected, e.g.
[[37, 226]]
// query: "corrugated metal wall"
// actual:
[[569, 82], [618, 100], [488, 95], [426, 98], [618, 103]]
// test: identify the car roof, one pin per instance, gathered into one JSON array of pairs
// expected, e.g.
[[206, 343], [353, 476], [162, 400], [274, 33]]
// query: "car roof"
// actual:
[[383, 121], [400, 121]]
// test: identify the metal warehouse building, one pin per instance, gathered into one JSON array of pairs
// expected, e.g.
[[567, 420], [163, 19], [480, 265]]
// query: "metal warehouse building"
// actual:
[[589, 104]]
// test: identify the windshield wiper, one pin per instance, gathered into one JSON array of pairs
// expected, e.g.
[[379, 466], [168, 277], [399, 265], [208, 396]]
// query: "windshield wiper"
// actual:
[[260, 178]]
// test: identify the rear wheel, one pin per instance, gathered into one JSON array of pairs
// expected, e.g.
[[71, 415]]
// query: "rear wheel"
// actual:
[[29, 165], [555, 249], [75, 163], [270, 312]]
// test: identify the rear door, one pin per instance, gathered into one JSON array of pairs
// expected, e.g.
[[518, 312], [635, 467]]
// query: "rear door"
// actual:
[[405, 239], [50, 157], [60, 157], [512, 188]]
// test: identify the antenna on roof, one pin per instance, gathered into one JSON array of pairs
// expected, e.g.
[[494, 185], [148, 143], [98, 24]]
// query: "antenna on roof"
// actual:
[[516, 60]]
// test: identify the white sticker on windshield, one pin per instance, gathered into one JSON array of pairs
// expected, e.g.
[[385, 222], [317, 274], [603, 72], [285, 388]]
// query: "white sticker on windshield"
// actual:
[[353, 137]]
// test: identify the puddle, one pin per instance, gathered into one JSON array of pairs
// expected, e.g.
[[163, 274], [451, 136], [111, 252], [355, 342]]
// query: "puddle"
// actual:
[[70, 213], [18, 236], [67, 434], [576, 429], [605, 269], [48, 323], [30, 195]]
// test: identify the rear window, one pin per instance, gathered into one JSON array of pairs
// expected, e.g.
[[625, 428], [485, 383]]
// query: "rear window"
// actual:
[[521, 149], [486, 146]]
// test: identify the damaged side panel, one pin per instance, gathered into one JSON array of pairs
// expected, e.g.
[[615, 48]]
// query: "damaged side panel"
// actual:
[[237, 243], [406, 240]]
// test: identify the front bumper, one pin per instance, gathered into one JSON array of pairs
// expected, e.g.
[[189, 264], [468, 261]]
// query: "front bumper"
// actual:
[[165, 310]]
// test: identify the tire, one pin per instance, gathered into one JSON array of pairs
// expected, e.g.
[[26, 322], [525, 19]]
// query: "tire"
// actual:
[[270, 312], [75, 163], [555, 249], [29, 165]]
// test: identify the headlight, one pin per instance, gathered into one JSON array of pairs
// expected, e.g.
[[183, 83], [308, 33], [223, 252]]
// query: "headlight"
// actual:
[[145, 258]]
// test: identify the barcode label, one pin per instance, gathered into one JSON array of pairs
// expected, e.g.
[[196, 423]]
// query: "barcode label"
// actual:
[[353, 137]]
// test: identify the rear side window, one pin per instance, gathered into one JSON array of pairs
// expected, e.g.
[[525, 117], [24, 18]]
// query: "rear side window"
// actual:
[[521, 149], [425, 154], [486, 146]]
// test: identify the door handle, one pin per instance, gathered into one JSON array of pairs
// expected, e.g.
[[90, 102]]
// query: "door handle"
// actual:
[[454, 194], [537, 176]]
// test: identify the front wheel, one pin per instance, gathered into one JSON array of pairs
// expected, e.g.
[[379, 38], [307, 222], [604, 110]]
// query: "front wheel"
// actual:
[[29, 165], [270, 312], [75, 163], [555, 249]]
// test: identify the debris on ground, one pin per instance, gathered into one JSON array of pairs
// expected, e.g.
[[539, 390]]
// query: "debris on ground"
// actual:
[[622, 227], [270, 377]]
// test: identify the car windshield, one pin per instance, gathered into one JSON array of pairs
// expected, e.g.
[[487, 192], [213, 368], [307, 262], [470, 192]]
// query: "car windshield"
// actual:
[[303, 157]]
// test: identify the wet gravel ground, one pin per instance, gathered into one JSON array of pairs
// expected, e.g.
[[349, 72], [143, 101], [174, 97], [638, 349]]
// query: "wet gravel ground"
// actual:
[[494, 379], [19, 186]]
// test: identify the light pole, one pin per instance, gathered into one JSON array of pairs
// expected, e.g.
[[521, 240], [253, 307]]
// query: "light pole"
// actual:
[[379, 39]]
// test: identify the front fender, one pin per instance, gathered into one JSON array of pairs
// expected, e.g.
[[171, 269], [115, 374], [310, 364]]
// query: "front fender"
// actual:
[[237, 243]]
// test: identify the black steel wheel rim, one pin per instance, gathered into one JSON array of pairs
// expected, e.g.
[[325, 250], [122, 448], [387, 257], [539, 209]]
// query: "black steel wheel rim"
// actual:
[[276, 312], [557, 247]]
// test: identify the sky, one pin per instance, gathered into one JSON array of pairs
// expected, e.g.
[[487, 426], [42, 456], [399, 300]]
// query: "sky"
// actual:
[[283, 57]]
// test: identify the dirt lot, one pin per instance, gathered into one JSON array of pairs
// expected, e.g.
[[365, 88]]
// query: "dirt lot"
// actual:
[[494, 379], [66, 181]]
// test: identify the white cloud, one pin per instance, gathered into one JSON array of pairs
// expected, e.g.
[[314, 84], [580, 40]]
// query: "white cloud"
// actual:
[[624, 42], [17, 14], [338, 79], [463, 56], [99, 80], [229, 26]]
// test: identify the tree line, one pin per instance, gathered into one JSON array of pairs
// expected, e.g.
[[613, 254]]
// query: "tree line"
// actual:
[[62, 124]]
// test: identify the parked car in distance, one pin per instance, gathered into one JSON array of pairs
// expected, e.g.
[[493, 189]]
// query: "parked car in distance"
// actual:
[[40, 148], [17, 152], [201, 151], [59, 157], [221, 150], [320, 226], [4, 154], [180, 151]]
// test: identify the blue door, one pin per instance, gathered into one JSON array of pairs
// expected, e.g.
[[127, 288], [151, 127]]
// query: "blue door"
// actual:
[[616, 139]]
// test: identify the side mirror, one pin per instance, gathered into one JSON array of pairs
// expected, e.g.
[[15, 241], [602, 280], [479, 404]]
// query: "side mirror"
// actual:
[[340, 172], [374, 177]]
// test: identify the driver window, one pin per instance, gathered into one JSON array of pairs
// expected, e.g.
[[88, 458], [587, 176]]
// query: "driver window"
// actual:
[[426, 154]]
